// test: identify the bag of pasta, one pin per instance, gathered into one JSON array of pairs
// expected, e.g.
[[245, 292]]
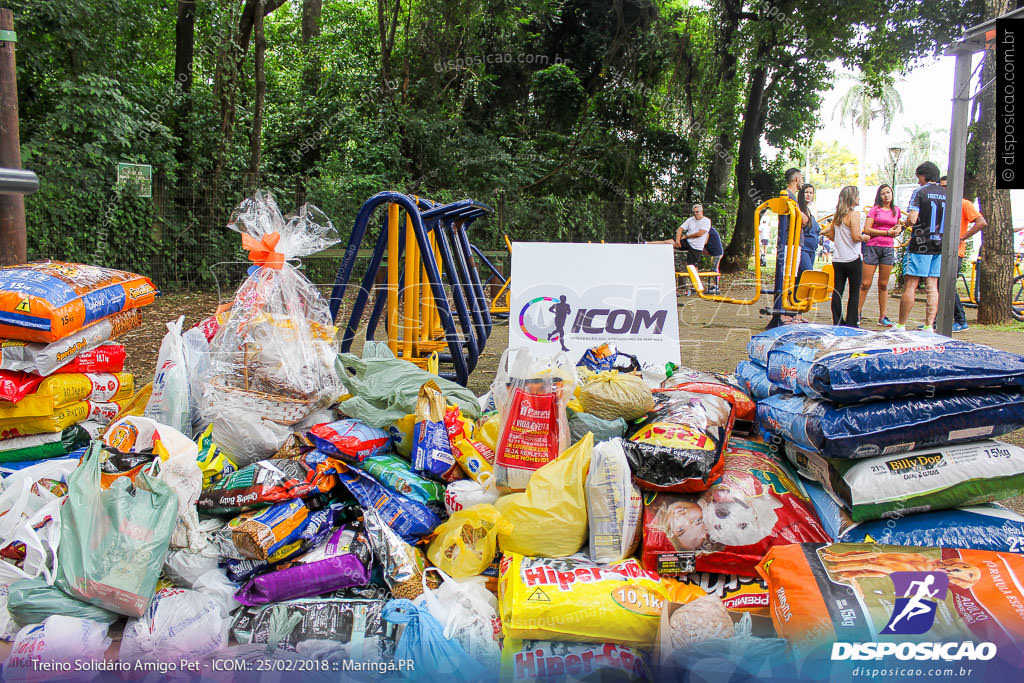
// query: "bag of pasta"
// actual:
[[272, 360]]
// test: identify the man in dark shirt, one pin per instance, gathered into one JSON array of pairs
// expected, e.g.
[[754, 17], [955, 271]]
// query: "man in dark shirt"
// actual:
[[925, 215]]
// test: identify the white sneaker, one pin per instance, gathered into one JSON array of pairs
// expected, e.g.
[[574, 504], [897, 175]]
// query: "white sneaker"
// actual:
[[899, 328]]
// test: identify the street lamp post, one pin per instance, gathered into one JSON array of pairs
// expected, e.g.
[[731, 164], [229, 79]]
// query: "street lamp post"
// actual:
[[895, 153]]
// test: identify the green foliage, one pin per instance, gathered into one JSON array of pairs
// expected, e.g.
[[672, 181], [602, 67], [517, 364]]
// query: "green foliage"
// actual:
[[575, 120]]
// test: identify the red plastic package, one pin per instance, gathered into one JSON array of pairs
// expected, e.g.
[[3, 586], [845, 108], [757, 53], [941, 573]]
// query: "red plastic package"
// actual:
[[727, 529], [746, 408], [15, 386]]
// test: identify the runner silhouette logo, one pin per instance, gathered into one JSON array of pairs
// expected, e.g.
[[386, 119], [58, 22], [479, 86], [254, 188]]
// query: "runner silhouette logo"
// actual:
[[919, 594], [544, 319]]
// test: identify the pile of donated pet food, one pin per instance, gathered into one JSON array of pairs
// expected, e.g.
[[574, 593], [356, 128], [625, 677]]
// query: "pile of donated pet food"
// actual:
[[268, 497]]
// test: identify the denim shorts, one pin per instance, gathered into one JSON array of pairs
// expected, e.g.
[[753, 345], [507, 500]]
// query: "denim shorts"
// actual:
[[879, 256]]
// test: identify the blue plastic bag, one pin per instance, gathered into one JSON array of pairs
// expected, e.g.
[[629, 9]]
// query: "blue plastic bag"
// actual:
[[423, 642], [864, 430], [889, 365]]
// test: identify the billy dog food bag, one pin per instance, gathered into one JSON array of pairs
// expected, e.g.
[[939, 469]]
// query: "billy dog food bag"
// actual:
[[866, 592], [45, 301], [758, 503], [573, 599]]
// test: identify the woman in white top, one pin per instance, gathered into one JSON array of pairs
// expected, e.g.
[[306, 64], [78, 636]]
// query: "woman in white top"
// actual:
[[846, 235]]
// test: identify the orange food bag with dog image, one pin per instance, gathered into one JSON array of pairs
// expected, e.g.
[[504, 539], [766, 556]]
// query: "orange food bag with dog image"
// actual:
[[531, 394]]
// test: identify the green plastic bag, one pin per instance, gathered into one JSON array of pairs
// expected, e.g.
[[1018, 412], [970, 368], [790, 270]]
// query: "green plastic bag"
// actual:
[[603, 430], [114, 541], [30, 601], [385, 389]]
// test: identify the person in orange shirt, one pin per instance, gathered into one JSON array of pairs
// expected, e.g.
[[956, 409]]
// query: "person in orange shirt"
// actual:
[[969, 215]]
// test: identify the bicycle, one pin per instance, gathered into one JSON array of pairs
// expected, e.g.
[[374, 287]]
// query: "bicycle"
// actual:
[[1016, 287]]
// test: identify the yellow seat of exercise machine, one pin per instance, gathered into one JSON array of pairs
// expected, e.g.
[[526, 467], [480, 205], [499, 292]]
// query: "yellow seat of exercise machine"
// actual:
[[815, 285]]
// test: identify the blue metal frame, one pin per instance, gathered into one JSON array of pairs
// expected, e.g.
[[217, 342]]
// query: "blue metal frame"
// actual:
[[448, 222]]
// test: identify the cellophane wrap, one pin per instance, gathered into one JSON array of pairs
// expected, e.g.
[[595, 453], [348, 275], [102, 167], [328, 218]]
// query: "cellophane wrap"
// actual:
[[272, 360]]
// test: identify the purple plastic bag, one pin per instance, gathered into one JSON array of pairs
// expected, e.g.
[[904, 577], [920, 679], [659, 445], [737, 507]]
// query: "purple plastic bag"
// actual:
[[343, 561]]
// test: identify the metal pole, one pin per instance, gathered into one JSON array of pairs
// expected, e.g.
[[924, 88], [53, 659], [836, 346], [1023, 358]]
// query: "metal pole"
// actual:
[[13, 244], [954, 193]]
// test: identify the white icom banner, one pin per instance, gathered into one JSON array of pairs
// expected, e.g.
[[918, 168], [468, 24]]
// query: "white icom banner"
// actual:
[[572, 297]]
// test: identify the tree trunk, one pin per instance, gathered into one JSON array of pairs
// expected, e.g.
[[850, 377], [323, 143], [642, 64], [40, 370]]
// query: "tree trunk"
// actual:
[[311, 12], [741, 246], [862, 162], [261, 91], [720, 167], [995, 265], [387, 24], [184, 54]]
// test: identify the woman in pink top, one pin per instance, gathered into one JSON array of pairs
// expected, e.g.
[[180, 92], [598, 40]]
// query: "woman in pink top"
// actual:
[[882, 225]]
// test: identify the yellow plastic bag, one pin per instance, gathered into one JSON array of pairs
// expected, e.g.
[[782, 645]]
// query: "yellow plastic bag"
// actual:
[[578, 600], [465, 545], [487, 430], [549, 519], [612, 394], [401, 434]]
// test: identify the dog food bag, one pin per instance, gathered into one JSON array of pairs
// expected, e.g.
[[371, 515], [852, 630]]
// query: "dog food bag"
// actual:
[[678, 446], [277, 532], [396, 474], [758, 503], [44, 301], [863, 430], [614, 505], [352, 625], [402, 564], [563, 662], [726, 385], [45, 359], [737, 593], [407, 517], [270, 481], [57, 391], [531, 395], [576, 600], [764, 343], [431, 448], [474, 456], [607, 357], [213, 462], [60, 420], [755, 381], [43, 446], [928, 479], [350, 440], [890, 365], [343, 560], [858, 592], [981, 527]]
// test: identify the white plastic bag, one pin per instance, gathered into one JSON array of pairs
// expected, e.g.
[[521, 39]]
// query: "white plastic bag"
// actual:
[[179, 624], [530, 393], [197, 362], [58, 639], [469, 614], [614, 505], [216, 585], [8, 629], [169, 402], [30, 515]]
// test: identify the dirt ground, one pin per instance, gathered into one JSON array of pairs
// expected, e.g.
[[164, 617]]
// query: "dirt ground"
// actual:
[[712, 336]]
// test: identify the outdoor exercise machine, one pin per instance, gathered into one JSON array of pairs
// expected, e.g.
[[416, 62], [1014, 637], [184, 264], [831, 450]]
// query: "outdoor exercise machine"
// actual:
[[502, 300], [792, 294], [431, 277]]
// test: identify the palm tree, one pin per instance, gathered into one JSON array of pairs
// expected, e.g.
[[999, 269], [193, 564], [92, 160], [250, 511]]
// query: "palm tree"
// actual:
[[861, 105]]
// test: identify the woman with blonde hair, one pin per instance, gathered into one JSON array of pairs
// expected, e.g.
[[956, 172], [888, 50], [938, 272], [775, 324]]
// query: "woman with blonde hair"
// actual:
[[847, 237]]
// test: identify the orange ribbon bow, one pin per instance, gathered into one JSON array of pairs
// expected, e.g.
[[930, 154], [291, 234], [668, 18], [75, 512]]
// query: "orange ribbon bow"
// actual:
[[262, 252]]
